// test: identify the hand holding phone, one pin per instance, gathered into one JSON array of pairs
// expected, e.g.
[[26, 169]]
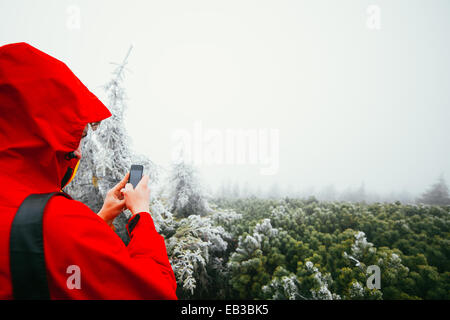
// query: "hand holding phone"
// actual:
[[136, 191], [135, 174]]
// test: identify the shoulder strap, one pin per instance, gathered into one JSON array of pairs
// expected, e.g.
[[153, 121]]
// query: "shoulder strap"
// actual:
[[26, 247]]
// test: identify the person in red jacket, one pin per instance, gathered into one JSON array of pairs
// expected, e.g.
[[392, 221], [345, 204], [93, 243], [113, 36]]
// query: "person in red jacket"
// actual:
[[45, 110]]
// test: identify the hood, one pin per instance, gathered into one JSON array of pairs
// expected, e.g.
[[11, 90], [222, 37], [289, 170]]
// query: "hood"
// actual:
[[44, 108]]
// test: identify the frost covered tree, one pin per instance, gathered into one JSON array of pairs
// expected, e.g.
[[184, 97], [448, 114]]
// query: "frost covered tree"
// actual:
[[437, 194], [186, 196], [108, 154], [393, 272], [162, 218], [84, 186], [248, 263], [196, 254], [116, 155], [361, 249], [228, 219], [317, 283], [285, 285]]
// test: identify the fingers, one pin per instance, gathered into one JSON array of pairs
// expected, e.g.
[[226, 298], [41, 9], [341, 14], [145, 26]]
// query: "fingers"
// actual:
[[127, 188], [142, 186], [122, 204], [144, 181], [117, 189], [123, 182]]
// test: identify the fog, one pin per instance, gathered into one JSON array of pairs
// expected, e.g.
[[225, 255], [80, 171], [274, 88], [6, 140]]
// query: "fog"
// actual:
[[303, 96]]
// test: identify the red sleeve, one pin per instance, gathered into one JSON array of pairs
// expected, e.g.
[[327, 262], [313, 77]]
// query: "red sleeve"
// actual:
[[147, 243], [75, 236]]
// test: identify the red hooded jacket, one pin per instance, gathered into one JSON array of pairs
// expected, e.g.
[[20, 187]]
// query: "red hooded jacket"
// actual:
[[44, 109]]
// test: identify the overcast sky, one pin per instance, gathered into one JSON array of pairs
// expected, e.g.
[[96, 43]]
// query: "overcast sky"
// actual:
[[354, 91]]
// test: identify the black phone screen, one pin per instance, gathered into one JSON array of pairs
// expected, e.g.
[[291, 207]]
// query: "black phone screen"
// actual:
[[135, 174]]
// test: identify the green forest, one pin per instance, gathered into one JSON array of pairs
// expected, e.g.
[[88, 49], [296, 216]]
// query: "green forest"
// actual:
[[306, 249]]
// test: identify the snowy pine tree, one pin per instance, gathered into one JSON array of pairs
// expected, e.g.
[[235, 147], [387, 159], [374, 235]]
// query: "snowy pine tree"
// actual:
[[108, 154], [186, 195], [116, 155], [283, 288], [84, 186], [437, 194], [195, 250]]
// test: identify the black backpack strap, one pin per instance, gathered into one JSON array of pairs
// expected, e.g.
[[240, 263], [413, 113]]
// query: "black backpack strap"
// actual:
[[26, 248]]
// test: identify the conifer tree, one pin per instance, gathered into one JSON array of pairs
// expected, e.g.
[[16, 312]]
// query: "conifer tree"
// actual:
[[437, 194], [84, 186], [186, 194], [108, 154]]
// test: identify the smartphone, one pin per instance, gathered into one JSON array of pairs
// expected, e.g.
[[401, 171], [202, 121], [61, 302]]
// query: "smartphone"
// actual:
[[135, 174]]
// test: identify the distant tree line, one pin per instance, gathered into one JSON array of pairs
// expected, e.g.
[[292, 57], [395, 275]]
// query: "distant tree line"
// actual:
[[437, 194]]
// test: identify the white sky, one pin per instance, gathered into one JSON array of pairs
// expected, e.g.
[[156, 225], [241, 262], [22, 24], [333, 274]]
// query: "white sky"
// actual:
[[351, 104]]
